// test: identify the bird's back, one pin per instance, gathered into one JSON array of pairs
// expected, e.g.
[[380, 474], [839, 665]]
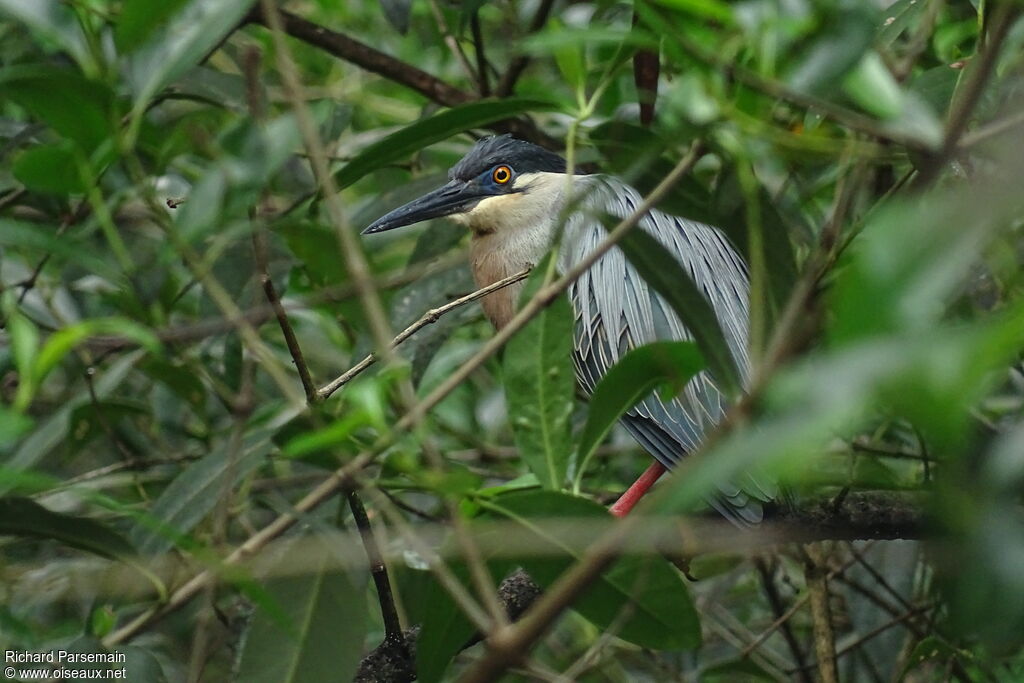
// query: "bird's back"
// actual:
[[617, 311]]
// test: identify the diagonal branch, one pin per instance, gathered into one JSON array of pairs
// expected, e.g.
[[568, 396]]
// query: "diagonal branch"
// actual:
[[412, 77], [366, 57], [427, 318]]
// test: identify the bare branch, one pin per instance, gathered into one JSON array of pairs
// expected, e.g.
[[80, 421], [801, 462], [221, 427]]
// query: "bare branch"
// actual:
[[450, 40], [427, 318], [816, 575], [366, 57], [392, 626]]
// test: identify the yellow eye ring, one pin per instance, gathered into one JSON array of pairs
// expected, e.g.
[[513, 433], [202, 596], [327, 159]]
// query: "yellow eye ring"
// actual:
[[502, 174]]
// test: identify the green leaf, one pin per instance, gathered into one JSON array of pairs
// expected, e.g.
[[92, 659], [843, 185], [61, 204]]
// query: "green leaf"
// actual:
[[845, 37], [710, 9], [195, 492], [668, 278], [25, 517], [24, 340], [61, 342], [873, 87], [83, 112], [628, 382], [140, 18], [321, 635], [444, 629], [425, 132], [540, 384], [55, 20], [570, 58], [51, 168], [319, 440], [185, 39], [641, 599], [12, 425]]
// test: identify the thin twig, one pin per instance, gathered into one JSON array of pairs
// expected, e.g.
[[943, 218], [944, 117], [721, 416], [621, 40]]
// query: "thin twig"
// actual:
[[259, 244], [392, 625], [427, 318], [450, 41], [483, 81], [775, 600]]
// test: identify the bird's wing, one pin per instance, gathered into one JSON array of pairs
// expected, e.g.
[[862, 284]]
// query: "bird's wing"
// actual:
[[616, 311]]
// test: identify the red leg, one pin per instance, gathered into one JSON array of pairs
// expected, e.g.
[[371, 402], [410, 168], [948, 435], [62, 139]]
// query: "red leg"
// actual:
[[635, 492]]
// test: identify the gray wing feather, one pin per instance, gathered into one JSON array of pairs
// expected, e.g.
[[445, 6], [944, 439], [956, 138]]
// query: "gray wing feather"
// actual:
[[616, 311]]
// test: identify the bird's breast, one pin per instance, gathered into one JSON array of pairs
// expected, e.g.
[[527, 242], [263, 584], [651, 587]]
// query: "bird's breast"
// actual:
[[495, 256]]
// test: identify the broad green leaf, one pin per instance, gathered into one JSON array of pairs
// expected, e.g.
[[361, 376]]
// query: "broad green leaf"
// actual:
[[914, 256], [83, 112], [12, 424], [540, 384], [55, 20], [61, 342], [425, 132], [845, 38], [51, 168], [195, 492], [570, 58], [873, 87], [711, 9], [24, 341], [629, 381], [444, 629], [897, 18], [140, 18], [182, 42], [666, 276], [321, 635], [321, 439], [25, 517], [647, 591]]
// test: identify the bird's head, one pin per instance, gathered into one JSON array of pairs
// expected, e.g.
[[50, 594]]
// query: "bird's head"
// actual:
[[482, 185]]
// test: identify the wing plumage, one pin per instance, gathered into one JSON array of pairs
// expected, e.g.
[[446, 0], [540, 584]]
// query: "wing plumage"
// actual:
[[616, 311]]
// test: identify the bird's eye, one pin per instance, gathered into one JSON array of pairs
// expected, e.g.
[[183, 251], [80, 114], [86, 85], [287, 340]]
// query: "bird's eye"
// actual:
[[501, 174]]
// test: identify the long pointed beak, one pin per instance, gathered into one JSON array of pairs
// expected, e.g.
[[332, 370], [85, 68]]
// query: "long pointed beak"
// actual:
[[454, 197]]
